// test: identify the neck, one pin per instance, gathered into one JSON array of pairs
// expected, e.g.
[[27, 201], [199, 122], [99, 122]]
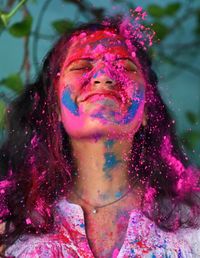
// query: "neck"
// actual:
[[102, 169]]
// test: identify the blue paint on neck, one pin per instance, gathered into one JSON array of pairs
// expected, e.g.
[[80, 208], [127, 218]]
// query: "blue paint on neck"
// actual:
[[109, 144], [110, 163], [69, 103], [134, 106]]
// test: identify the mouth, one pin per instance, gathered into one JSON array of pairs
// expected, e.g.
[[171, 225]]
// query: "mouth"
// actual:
[[99, 95]]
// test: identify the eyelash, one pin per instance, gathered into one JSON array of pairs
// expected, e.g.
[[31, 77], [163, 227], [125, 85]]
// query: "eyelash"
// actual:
[[80, 68], [128, 69]]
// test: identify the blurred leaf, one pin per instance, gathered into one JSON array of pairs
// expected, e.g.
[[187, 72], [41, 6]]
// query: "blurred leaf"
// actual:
[[1, 26], [191, 139], [98, 12], [62, 26], [21, 29], [197, 30], [172, 8], [192, 117], [161, 30], [2, 113], [4, 18], [13, 82], [155, 10]]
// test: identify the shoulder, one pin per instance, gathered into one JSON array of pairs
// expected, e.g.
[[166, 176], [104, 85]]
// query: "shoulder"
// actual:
[[146, 233], [28, 246], [192, 237]]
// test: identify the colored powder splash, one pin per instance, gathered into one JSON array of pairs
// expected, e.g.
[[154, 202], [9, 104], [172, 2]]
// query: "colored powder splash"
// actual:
[[187, 176], [110, 163], [134, 28], [131, 28], [5, 185], [137, 99], [69, 103], [98, 73]]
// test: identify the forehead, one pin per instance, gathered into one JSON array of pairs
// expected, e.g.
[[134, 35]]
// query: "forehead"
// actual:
[[96, 44]]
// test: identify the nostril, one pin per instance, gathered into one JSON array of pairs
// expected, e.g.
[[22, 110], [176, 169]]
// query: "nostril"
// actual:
[[109, 82]]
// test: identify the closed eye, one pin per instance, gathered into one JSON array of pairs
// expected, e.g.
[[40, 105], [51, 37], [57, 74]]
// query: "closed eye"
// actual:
[[80, 65], [80, 68], [126, 65]]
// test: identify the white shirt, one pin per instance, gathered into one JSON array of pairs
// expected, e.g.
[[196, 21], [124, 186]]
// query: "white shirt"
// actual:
[[143, 239]]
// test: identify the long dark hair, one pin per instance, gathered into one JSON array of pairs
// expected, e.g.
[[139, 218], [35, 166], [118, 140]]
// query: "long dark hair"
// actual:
[[37, 165]]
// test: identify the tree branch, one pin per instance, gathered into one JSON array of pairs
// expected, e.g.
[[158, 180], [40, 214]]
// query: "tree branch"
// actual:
[[36, 33], [26, 62]]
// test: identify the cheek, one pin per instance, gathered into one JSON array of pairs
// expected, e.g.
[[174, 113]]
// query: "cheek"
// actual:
[[136, 104], [68, 102]]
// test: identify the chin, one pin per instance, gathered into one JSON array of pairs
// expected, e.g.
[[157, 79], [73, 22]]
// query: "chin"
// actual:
[[96, 129]]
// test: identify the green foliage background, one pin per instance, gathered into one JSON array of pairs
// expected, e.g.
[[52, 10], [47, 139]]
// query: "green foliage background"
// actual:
[[167, 20]]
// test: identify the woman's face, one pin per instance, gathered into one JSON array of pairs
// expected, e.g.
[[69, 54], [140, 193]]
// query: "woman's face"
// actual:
[[101, 89]]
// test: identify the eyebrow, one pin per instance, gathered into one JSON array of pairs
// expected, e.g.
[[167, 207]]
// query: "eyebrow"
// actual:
[[79, 59], [91, 59]]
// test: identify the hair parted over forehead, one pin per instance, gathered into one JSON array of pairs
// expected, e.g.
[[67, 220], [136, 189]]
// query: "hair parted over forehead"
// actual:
[[37, 166], [136, 35]]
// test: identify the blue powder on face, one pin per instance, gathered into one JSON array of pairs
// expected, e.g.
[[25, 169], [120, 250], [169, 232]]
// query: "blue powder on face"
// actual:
[[98, 73], [98, 115], [69, 103], [134, 106], [110, 163]]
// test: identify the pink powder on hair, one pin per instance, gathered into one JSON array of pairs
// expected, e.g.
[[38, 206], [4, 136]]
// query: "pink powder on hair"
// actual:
[[166, 152], [28, 221], [138, 9]]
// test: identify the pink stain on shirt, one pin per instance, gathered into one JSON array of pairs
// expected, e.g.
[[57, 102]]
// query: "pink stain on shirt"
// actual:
[[115, 253]]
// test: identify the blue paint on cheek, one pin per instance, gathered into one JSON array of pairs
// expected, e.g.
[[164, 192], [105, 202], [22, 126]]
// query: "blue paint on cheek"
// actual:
[[68, 102], [110, 163], [139, 96]]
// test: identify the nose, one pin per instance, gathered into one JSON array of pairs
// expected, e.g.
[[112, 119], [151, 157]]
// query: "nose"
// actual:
[[101, 78]]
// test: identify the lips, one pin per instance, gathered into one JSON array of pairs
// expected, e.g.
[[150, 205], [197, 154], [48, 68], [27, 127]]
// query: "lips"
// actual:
[[111, 94]]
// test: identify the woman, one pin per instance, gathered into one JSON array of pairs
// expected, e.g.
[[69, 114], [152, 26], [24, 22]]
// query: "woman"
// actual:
[[91, 166]]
